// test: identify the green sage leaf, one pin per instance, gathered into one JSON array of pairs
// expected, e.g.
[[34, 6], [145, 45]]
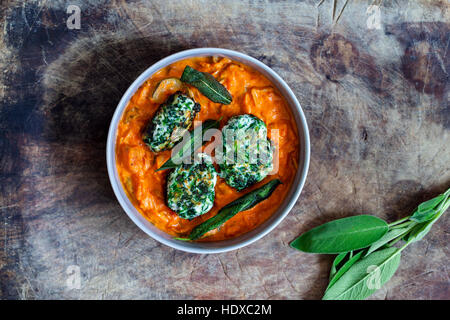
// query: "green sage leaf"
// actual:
[[420, 230], [243, 203], [188, 148], [344, 268], [207, 84], [430, 204], [428, 209], [423, 216], [339, 258], [342, 235], [365, 276]]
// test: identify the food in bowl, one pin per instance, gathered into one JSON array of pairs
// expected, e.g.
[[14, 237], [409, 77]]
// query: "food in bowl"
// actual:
[[191, 188], [171, 121], [137, 164], [245, 138]]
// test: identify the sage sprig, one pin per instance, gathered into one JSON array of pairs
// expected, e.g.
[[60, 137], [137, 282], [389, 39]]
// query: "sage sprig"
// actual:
[[243, 203], [367, 257], [207, 84]]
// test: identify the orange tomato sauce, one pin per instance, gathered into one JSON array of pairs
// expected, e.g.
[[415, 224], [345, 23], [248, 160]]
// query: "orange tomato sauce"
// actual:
[[253, 94]]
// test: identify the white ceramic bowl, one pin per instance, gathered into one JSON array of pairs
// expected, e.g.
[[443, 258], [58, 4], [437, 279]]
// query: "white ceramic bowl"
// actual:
[[261, 230]]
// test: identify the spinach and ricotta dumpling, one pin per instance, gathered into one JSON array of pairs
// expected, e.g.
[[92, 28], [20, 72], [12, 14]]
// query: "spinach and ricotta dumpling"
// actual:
[[173, 118], [190, 187], [247, 153]]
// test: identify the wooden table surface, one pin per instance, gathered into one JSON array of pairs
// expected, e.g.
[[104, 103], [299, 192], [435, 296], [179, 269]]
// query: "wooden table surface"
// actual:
[[375, 93]]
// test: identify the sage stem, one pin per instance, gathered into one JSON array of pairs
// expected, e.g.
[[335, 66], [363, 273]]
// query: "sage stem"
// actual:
[[398, 221], [401, 225]]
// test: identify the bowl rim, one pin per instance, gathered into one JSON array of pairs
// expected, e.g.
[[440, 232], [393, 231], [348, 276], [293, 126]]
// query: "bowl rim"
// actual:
[[253, 235]]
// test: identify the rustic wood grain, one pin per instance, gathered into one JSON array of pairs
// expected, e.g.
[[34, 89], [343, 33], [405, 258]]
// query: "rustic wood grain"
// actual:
[[376, 100]]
